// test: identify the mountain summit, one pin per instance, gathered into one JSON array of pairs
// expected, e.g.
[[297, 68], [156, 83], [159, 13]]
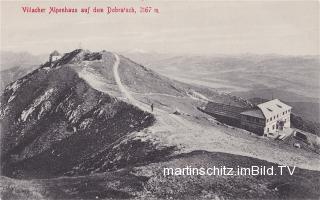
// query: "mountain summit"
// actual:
[[82, 127], [52, 120]]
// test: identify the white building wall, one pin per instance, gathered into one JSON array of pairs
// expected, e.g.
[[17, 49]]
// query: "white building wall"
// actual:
[[271, 125], [54, 58]]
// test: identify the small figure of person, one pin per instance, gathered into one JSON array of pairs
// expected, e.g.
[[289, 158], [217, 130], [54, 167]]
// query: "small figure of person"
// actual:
[[151, 107]]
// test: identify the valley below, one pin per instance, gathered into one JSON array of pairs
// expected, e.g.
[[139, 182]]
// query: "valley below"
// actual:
[[82, 127]]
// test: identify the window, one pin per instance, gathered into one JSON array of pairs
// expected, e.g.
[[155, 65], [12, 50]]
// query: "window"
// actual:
[[270, 119], [283, 113], [279, 106], [277, 116], [274, 117], [267, 120], [268, 130], [272, 127]]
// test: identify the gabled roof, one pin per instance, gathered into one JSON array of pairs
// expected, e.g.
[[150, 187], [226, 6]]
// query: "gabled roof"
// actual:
[[257, 113], [55, 53], [273, 107]]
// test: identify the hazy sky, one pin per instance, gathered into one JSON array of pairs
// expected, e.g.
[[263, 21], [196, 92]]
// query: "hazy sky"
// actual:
[[205, 27]]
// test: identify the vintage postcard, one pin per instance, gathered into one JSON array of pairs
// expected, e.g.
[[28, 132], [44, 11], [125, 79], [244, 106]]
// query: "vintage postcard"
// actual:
[[159, 99]]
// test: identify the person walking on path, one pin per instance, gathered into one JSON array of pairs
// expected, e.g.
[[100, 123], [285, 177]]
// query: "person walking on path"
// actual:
[[152, 107]]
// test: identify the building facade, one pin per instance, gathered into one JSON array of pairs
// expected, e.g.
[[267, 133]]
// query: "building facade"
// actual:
[[268, 119], [55, 55]]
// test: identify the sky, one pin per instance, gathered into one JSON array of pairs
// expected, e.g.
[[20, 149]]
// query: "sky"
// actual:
[[184, 27]]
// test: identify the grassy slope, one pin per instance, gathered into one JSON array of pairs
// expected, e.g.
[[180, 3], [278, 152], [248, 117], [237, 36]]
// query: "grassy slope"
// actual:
[[148, 182]]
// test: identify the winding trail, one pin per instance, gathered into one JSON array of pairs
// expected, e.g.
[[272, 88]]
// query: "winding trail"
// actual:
[[162, 116], [122, 87], [126, 93], [176, 130]]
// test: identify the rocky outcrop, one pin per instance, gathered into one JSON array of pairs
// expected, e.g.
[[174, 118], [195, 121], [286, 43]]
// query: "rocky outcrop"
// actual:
[[52, 120]]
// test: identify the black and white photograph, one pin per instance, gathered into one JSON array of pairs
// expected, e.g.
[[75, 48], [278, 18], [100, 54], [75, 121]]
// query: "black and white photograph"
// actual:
[[159, 99]]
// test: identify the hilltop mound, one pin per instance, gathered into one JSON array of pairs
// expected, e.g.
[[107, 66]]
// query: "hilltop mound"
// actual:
[[52, 120], [83, 125]]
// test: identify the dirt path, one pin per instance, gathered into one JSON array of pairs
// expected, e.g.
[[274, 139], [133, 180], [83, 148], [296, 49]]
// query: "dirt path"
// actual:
[[161, 115], [176, 130]]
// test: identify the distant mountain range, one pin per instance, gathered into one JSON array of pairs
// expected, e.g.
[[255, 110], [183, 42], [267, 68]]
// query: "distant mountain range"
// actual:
[[82, 127], [294, 79], [15, 65], [20, 59], [234, 73]]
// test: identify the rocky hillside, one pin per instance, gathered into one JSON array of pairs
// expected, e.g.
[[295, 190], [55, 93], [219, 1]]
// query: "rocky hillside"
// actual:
[[52, 121], [81, 128]]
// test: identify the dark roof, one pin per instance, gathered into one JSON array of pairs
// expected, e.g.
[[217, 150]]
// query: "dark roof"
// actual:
[[224, 110], [254, 113], [55, 53]]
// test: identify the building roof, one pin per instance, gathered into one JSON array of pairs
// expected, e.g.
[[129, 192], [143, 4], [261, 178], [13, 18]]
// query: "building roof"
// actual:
[[273, 107], [55, 53], [224, 110], [254, 113]]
